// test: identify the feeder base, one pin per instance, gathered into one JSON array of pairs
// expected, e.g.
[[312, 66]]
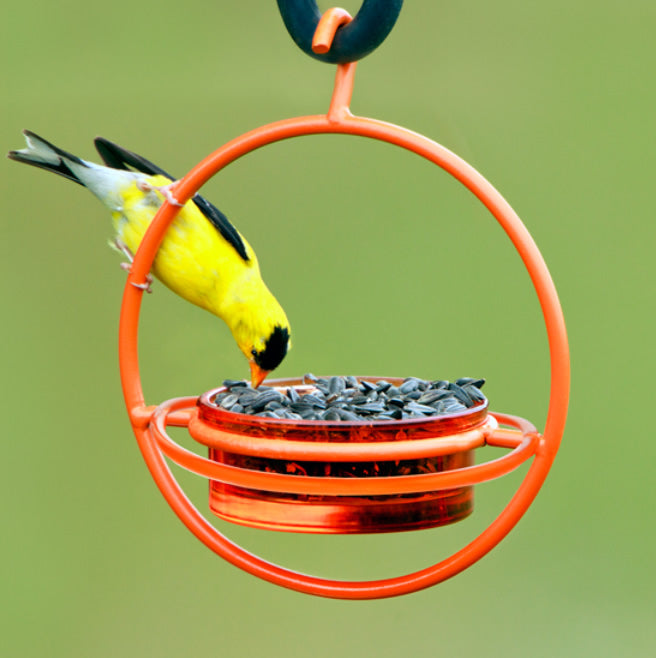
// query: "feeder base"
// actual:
[[339, 515]]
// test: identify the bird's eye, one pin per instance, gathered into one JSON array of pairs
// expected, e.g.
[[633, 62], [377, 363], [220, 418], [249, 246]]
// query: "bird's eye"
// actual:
[[254, 352]]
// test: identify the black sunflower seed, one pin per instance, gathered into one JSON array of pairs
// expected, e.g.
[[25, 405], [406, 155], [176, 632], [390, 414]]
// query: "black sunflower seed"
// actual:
[[336, 385], [345, 414], [300, 406], [370, 407], [235, 383], [264, 398], [433, 395], [439, 383], [409, 385], [330, 414], [417, 408], [315, 400], [474, 392], [461, 395], [396, 401], [248, 397], [465, 381], [229, 401]]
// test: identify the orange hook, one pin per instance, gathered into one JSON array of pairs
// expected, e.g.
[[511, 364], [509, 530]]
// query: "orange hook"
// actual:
[[329, 23]]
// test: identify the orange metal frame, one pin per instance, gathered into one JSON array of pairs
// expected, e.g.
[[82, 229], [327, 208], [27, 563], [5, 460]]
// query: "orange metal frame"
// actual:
[[150, 422]]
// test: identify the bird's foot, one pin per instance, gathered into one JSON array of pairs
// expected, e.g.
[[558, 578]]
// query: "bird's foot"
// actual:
[[165, 190], [146, 285], [142, 286], [127, 252]]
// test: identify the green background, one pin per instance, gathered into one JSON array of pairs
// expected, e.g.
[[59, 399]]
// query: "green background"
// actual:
[[385, 265]]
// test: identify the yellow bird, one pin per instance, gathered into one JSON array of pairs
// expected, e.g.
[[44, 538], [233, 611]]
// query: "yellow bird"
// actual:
[[202, 257]]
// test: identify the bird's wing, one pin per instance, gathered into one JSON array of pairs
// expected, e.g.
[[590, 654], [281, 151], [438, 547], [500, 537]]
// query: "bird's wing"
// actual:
[[119, 158]]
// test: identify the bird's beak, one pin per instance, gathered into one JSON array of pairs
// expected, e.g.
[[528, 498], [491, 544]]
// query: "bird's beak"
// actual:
[[258, 375]]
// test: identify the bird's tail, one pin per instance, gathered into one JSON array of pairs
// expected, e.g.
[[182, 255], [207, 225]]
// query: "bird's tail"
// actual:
[[41, 153]]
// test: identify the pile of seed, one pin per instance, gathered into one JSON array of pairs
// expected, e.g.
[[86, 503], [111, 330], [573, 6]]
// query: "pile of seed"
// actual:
[[349, 399]]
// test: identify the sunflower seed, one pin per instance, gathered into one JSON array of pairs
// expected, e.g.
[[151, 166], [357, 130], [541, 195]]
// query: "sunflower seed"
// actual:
[[336, 385], [419, 408], [367, 387], [229, 401], [439, 407], [460, 394], [439, 383], [392, 414], [345, 414], [453, 406], [235, 383], [314, 400], [370, 408], [263, 399], [433, 395], [293, 394], [470, 381], [396, 402], [474, 392], [409, 385], [330, 414], [300, 406], [247, 397]]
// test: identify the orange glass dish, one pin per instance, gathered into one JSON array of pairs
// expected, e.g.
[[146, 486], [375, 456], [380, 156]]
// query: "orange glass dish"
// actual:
[[253, 443]]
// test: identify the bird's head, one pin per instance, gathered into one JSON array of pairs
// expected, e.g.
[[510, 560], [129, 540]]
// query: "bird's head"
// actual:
[[267, 353]]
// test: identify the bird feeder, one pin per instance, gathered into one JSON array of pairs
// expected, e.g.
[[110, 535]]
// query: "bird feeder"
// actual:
[[285, 475]]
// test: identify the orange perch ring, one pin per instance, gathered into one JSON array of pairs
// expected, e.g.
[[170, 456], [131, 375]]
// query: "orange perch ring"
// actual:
[[149, 422]]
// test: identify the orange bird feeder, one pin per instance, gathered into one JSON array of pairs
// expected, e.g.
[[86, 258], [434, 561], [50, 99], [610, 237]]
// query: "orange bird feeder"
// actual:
[[280, 474]]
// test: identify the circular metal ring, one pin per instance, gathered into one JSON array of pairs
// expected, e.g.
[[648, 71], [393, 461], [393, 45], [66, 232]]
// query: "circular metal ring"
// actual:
[[345, 123]]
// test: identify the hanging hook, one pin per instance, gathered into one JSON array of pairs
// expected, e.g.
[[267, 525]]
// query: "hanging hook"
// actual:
[[354, 41], [329, 23]]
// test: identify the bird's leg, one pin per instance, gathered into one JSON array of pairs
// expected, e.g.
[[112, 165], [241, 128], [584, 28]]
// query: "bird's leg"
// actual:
[[165, 190], [125, 250], [119, 245]]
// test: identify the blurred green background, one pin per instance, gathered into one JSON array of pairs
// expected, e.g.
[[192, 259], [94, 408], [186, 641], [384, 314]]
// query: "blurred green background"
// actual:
[[386, 266]]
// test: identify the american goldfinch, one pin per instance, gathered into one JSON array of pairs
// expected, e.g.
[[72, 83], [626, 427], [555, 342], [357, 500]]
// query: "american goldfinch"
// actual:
[[202, 257]]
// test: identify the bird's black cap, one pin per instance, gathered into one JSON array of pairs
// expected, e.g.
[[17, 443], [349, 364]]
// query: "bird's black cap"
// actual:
[[274, 350]]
